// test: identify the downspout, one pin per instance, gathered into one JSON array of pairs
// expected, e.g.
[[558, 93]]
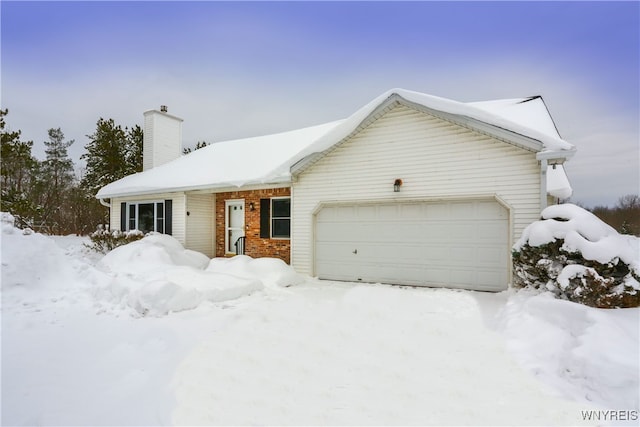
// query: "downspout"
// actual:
[[544, 164], [105, 204]]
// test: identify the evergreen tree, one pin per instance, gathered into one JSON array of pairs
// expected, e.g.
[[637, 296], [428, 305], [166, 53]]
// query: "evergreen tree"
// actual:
[[55, 179], [112, 153], [199, 145], [133, 150], [17, 172], [58, 166]]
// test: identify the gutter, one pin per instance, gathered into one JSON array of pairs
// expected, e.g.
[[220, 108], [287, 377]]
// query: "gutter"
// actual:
[[105, 204], [543, 183], [556, 156]]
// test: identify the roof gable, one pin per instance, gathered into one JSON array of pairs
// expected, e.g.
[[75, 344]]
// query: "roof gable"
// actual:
[[491, 118]]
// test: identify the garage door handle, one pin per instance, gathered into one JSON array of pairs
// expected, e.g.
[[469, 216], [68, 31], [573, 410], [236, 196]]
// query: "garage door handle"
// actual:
[[355, 251]]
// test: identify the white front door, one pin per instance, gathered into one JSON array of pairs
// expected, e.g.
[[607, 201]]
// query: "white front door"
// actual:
[[234, 224]]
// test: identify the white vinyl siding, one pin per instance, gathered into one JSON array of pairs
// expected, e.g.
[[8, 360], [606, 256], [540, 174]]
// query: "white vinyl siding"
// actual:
[[178, 211], [162, 140], [200, 223], [436, 160]]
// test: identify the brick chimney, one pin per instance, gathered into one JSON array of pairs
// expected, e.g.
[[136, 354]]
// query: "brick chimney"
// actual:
[[162, 141]]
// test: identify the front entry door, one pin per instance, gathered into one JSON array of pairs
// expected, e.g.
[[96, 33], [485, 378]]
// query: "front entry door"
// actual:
[[234, 224]]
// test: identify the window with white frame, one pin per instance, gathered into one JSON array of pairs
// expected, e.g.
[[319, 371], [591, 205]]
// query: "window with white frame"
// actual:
[[147, 216]]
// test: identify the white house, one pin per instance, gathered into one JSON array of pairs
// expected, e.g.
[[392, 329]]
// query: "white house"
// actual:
[[410, 189]]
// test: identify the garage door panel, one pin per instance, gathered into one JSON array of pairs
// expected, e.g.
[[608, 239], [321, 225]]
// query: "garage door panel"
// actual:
[[435, 255], [488, 279], [336, 271], [490, 256], [461, 256], [411, 211], [388, 211], [461, 276], [433, 231], [457, 244], [492, 231], [334, 252], [367, 212], [395, 254], [435, 276], [464, 230], [462, 211], [436, 211], [490, 210], [337, 232]]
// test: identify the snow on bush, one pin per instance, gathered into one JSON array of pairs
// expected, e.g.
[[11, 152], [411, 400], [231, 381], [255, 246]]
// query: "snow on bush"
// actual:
[[33, 266], [150, 254], [272, 271], [103, 240], [575, 255], [157, 275]]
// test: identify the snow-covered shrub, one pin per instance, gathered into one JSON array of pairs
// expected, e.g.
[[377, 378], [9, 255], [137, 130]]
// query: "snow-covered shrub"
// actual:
[[575, 255], [157, 275], [103, 240], [7, 221]]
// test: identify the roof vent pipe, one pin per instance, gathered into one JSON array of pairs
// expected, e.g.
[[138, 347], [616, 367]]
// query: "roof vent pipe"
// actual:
[[163, 108]]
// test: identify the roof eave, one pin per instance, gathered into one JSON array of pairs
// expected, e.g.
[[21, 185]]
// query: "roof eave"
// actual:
[[215, 188], [559, 156]]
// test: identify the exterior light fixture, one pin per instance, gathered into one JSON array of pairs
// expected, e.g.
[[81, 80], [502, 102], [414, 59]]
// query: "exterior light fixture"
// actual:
[[396, 185], [252, 206]]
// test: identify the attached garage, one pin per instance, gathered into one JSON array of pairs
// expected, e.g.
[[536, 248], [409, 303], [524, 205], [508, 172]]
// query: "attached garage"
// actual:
[[456, 244]]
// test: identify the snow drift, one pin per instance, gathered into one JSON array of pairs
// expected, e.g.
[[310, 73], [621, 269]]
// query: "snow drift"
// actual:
[[321, 353], [572, 253], [157, 275], [32, 264]]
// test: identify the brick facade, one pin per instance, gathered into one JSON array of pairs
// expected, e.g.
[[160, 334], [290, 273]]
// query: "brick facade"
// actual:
[[255, 246]]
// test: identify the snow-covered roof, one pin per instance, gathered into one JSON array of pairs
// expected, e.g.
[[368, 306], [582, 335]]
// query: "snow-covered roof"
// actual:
[[257, 160], [268, 159], [531, 112]]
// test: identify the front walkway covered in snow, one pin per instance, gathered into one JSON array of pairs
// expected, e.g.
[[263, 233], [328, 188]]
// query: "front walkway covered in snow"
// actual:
[[328, 353]]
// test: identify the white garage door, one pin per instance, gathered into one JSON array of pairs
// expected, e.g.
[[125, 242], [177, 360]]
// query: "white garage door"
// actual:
[[459, 244]]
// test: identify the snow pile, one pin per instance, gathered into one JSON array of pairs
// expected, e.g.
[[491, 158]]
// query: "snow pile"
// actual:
[[154, 252], [348, 354], [156, 276], [7, 220], [589, 355], [272, 271], [577, 256], [33, 266]]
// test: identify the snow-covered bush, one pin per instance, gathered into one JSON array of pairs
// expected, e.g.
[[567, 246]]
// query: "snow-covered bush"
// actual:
[[575, 255], [103, 240], [156, 275]]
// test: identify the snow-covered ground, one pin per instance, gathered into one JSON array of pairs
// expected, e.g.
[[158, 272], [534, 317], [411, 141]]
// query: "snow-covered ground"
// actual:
[[88, 340]]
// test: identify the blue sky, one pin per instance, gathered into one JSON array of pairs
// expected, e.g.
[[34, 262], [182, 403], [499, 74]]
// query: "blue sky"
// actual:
[[241, 69]]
